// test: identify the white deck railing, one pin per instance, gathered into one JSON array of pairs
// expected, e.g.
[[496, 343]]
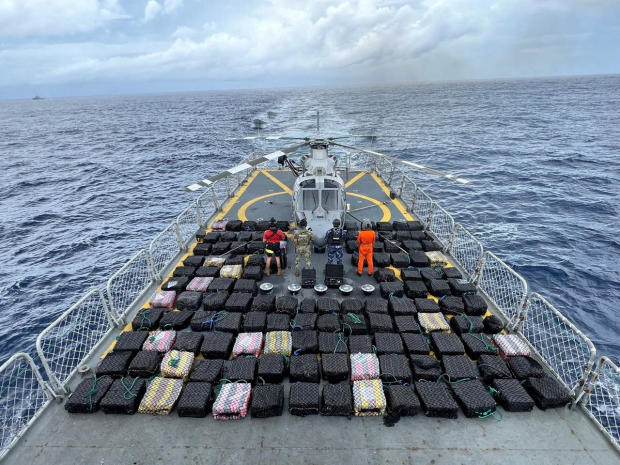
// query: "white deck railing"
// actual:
[[77, 333]]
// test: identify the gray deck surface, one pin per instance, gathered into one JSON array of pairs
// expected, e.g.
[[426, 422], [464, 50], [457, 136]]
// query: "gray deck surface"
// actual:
[[556, 436]]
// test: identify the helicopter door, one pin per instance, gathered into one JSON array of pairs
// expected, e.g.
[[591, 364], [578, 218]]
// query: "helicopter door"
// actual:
[[330, 200]]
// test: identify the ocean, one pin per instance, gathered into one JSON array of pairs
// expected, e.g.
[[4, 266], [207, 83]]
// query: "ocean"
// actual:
[[89, 181]]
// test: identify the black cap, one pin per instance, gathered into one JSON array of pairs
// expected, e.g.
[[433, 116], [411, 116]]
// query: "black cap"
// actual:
[[336, 222], [303, 223]]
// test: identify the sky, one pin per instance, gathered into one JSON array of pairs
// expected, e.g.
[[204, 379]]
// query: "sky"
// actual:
[[100, 47]]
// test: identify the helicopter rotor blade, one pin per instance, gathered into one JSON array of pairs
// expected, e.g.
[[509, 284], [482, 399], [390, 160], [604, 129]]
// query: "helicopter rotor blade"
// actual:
[[243, 166], [362, 136], [267, 138], [426, 169]]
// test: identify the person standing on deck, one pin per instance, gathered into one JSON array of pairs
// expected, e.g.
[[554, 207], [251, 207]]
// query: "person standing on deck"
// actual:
[[365, 239], [303, 244], [335, 238], [271, 239]]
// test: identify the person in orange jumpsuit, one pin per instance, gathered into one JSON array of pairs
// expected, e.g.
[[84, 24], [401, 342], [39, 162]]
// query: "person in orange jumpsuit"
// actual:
[[365, 239]]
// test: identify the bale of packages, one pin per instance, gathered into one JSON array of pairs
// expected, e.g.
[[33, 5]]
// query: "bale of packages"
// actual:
[[271, 368], [222, 283], [286, 304], [163, 299], [376, 305], [328, 322], [217, 345], [240, 369], [199, 284], [305, 368], [436, 399], [401, 400], [124, 396], [510, 345], [360, 344], [188, 342], [248, 344], [525, 367], [175, 320], [195, 400], [402, 306], [406, 324], [114, 364], [145, 364], [161, 396], [267, 401], [278, 322], [446, 344], [351, 305], [492, 367], [232, 402], [304, 399], [364, 366], [278, 342], [263, 303], [88, 394], [474, 398], [511, 395], [368, 398], [215, 301], [415, 289], [547, 392], [206, 371], [458, 367], [478, 344], [380, 323], [433, 322], [336, 400], [147, 319], [474, 305], [388, 343], [353, 323], [451, 304], [395, 368], [335, 367], [130, 340], [304, 321], [254, 322], [415, 343], [424, 305], [208, 272], [305, 342], [425, 367], [327, 305], [177, 364], [238, 302], [462, 324], [254, 272], [333, 343]]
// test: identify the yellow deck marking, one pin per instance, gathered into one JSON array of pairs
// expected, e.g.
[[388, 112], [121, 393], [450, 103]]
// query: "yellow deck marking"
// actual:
[[357, 177], [397, 203], [241, 212], [237, 195], [284, 187], [387, 214]]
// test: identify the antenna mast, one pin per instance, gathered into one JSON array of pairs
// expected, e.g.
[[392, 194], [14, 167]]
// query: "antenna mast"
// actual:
[[317, 123]]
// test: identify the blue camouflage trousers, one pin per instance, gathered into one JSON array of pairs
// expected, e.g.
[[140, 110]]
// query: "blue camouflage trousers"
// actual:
[[334, 254]]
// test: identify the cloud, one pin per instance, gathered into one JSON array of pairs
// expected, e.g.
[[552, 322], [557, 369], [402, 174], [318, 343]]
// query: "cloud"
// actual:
[[172, 5], [151, 10]]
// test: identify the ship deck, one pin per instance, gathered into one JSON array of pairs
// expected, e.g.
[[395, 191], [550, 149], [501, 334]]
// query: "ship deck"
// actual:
[[553, 436]]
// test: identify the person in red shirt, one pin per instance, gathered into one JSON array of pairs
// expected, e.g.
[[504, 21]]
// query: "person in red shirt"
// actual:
[[271, 239], [366, 238]]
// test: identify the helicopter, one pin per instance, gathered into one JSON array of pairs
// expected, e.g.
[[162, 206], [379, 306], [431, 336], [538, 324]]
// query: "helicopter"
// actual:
[[319, 193]]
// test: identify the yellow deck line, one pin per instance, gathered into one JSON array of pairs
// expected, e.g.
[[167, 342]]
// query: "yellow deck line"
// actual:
[[241, 212], [387, 214], [284, 187], [237, 195], [397, 203], [356, 178]]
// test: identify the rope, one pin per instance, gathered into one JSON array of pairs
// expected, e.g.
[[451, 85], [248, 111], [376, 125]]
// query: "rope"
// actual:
[[487, 345], [469, 320], [144, 318], [92, 392], [129, 394], [354, 317], [491, 413], [341, 339], [217, 316], [174, 362]]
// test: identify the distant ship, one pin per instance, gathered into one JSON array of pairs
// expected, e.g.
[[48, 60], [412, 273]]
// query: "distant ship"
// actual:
[[37, 97]]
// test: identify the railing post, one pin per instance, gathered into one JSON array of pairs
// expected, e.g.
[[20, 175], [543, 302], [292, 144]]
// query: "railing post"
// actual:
[[227, 186], [451, 240], [198, 215], [429, 218], [414, 199], [389, 183], [402, 186], [215, 202], [177, 230], [479, 269]]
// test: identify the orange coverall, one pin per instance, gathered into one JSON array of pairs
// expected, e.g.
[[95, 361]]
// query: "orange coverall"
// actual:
[[365, 239]]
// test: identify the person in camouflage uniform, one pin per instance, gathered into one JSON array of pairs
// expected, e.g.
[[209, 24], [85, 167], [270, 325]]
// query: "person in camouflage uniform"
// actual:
[[303, 246], [335, 238]]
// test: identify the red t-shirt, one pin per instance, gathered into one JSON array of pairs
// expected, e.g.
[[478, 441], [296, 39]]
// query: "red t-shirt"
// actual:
[[272, 237]]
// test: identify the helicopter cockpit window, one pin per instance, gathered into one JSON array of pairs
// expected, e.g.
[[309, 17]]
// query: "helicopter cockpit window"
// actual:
[[330, 183], [308, 183], [310, 199], [329, 199]]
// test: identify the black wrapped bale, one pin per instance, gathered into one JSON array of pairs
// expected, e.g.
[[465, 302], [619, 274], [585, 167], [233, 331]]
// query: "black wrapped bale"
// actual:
[[425, 367], [460, 286], [353, 323], [395, 368], [436, 400], [262, 225], [212, 237], [351, 305], [415, 289], [327, 305], [446, 344], [394, 289], [525, 367], [234, 225], [389, 343], [254, 322], [189, 301], [400, 225], [410, 274], [415, 344], [426, 306], [418, 259], [238, 302], [360, 344], [384, 226], [403, 236], [267, 401], [304, 399], [202, 321], [304, 321], [238, 248], [438, 287], [430, 246], [402, 401], [380, 323], [283, 225], [208, 272], [462, 324], [377, 248], [217, 345], [240, 368], [354, 258], [406, 324], [255, 260], [478, 344], [271, 368], [337, 400], [248, 225], [215, 301], [308, 305], [414, 226], [124, 396], [278, 322], [452, 273], [206, 371], [253, 272], [200, 251], [147, 319], [256, 247], [305, 368], [228, 322], [188, 342], [451, 305], [195, 260], [351, 226], [474, 305], [220, 248], [393, 247], [351, 246], [473, 398], [145, 364], [263, 303], [305, 342], [399, 259], [459, 367], [175, 320], [412, 246], [547, 392], [244, 236], [221, 285], [88, 394], [492, 325], [381, 259], [376, 305], [492, 367], [114, 364], [176, 283], [184, 271], [245, 285], [196, 400], [333, 343], [512, 396], [328, 322], [286, 304], [335, 367], [130, 340], [228, 236], [402, 306]]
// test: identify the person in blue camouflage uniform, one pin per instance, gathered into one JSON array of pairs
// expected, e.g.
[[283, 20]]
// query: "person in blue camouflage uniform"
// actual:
[[334, 239]]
